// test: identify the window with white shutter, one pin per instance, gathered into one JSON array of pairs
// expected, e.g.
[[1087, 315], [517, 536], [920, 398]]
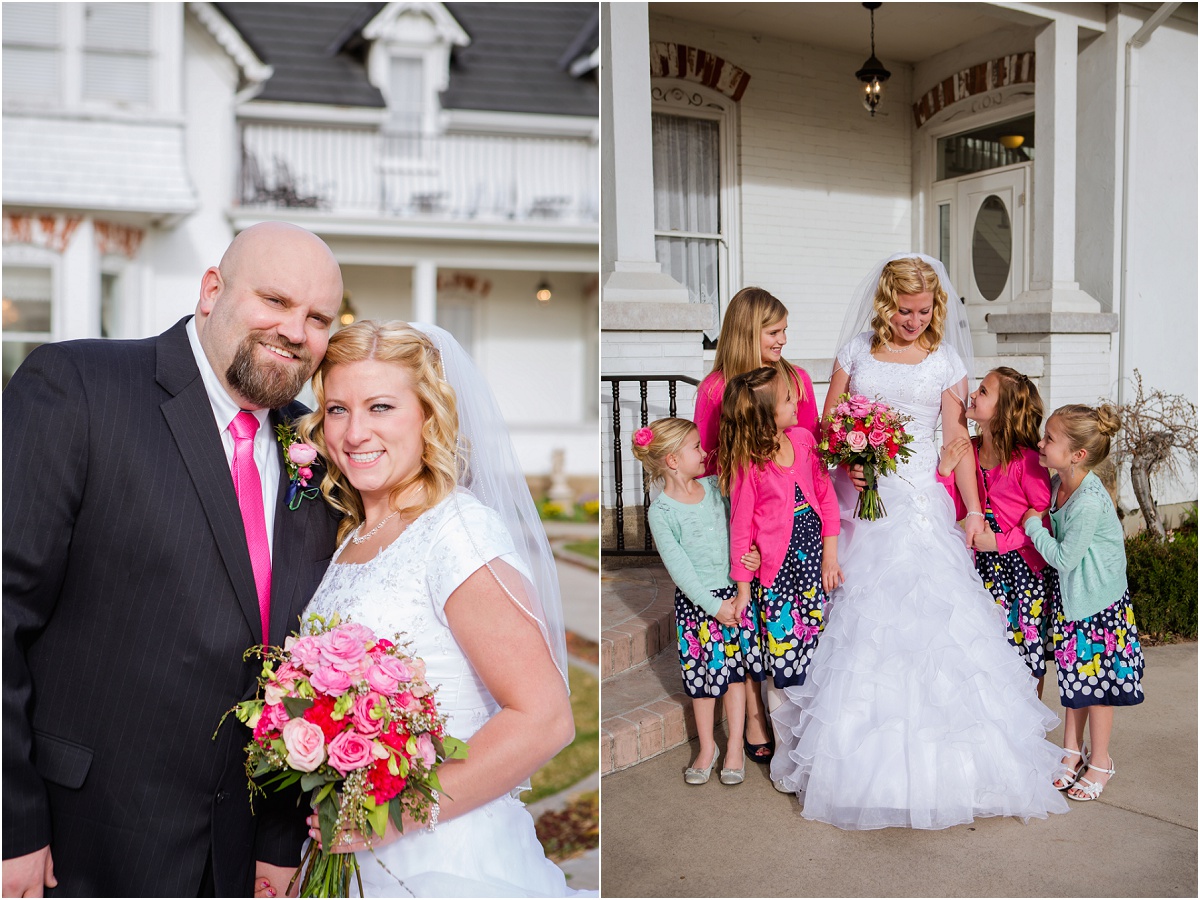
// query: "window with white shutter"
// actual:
[[33, 54], [116, 54]]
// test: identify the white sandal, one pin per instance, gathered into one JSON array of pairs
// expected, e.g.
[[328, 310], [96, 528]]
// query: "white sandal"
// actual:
[[1091, 790], [1070, 774]]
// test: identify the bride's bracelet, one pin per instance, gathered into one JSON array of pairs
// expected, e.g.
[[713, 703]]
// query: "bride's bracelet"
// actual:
[[974, 513], [433, 812]]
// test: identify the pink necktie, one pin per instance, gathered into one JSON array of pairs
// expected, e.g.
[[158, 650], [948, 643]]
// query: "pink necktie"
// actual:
[[248, 487]]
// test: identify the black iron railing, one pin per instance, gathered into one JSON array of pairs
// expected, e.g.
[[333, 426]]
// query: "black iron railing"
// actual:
[[643, 382]]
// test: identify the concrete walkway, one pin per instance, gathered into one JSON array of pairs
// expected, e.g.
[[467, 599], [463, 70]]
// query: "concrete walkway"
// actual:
[[664, 838]]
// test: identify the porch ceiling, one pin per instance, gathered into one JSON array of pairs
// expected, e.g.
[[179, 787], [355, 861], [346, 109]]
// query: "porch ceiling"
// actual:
[[904, 32]]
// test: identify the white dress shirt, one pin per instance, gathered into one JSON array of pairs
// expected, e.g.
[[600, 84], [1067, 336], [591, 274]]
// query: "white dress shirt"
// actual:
[[266, 447]]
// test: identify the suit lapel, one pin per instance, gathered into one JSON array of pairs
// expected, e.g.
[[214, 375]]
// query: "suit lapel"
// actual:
[[189, 415]]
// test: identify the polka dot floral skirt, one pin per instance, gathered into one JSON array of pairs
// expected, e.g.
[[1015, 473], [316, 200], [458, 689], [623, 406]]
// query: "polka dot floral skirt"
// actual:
[[713, 656]]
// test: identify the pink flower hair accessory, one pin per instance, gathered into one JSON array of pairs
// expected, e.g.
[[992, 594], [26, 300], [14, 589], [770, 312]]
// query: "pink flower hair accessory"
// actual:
[[643, 437]]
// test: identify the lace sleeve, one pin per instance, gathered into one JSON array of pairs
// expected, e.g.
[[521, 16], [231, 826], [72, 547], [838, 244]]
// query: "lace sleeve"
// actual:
[[850, 352], [956, 371], [469, 536]]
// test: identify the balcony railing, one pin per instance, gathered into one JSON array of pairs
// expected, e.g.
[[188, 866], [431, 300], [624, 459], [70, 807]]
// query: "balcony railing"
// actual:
[[616, 528], [363, 171]]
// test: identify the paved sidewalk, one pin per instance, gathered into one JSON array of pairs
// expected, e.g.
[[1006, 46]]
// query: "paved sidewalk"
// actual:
[[664, 838]]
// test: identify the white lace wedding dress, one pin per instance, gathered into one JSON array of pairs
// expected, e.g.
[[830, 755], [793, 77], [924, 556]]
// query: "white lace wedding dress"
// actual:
[[916, 711], [491, 851]]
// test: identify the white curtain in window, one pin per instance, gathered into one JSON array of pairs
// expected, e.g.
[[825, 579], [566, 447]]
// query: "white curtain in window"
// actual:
[[687, 191], [31, 53]]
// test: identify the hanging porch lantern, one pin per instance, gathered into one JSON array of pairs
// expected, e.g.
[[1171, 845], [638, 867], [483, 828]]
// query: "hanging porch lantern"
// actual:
[[872, 74]]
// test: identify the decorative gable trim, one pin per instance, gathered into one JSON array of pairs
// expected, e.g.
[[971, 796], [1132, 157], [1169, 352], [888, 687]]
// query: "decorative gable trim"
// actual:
[[668, 60], [388, 25], [978, 79], [232, 42]]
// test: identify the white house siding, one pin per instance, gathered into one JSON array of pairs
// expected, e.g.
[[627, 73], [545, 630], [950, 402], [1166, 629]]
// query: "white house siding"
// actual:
[[825, 189]]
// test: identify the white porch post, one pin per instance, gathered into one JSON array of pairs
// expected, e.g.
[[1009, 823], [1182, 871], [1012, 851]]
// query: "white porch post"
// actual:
[[1054, 319], [77, 301], [424, 291]]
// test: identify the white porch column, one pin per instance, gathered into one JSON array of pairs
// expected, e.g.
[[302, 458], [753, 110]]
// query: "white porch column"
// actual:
[[630, 269], [424, 291], [1054, 319], [77, 298]]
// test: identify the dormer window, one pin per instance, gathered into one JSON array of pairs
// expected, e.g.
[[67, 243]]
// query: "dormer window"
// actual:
[[406, 95]]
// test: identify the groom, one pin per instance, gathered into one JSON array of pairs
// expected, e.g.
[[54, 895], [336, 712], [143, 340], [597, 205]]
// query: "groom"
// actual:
[[147, 545]]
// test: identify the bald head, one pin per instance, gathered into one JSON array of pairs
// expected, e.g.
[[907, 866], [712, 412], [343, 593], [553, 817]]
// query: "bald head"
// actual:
[[264, 313]]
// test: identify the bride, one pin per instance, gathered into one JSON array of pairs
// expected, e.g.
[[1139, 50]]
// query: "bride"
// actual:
[[441, 543], [916, 711]]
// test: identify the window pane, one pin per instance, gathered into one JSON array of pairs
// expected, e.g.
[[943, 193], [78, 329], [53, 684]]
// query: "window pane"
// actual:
[[117, 79], [694, 262], [406, 95], [991, 247], [14, 354], [1002, 144], [31, 23], [117, 26], [110, 306], [27, 296], [944, 233], [31, 75], [687, 181]]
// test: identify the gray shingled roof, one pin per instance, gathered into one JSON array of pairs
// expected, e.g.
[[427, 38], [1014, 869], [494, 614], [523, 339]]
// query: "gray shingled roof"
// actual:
[[517, 60]]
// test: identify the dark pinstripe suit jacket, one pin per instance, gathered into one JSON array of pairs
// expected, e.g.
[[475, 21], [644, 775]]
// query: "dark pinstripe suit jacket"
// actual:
[[129, 599]]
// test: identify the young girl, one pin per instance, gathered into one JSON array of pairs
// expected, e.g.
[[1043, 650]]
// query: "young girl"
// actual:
[[782, 501], [1095, 639], [717, 647], [753, 334], [1008, 410]]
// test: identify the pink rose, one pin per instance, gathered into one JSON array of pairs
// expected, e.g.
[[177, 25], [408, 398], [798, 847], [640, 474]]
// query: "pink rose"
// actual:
[[301, 454], [856, 441], [364, 722], [842, 409], [305, 744], [408, 702], [305, 474], [425, 749], [388, 674], [358, 631], [343, 649], [877, 437], [331, 681], [349, 751], [305, 651]]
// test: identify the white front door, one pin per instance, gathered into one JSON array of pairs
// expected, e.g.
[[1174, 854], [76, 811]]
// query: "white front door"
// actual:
[[989, 250]]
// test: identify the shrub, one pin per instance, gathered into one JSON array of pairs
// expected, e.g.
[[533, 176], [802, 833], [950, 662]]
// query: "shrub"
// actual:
[[1162, 582]]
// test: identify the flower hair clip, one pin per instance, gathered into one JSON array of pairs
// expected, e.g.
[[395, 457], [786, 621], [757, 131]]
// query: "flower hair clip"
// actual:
[[299, 458], [643, 437]]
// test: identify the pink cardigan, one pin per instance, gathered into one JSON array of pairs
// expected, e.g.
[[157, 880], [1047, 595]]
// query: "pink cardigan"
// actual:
[[763, 503], [1023, 485], [708, 412]]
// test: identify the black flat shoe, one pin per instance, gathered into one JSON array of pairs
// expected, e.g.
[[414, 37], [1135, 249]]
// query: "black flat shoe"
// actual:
[[760, 753]]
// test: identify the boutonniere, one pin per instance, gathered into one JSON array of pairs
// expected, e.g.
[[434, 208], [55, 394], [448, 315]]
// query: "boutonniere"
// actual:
[[299, 458]]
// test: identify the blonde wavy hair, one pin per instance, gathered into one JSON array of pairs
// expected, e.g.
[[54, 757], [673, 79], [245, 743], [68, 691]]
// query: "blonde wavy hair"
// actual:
[[907, 276], [1017, 420], [1089, 428], [442, 459], [748, 435], [739, 346], [669, 437]]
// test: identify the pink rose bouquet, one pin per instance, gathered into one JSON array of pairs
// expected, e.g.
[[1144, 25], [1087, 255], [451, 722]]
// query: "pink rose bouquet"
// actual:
[[349, 717], [866, 432]]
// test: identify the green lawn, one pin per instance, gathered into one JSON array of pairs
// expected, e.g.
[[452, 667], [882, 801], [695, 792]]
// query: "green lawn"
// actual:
[[585, 548], [582, 756]]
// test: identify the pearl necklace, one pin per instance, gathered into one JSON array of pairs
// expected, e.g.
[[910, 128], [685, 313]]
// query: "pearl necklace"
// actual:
[[888, 348], [366, 537]]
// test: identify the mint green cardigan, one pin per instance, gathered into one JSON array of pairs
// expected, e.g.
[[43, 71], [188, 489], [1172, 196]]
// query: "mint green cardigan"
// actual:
[[693, 541], [1087, 548]]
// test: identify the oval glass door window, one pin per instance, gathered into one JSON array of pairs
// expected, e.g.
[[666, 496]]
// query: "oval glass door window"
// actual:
[[991, 248]]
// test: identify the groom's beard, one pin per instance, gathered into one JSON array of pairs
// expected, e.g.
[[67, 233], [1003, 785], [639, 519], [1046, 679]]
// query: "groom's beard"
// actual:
[[269, 385]]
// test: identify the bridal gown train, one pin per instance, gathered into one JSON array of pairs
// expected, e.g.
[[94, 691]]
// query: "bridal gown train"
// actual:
[[916, 711], [493, 850]]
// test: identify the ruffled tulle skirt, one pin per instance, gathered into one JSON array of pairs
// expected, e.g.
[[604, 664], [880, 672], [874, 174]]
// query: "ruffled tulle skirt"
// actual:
[[492, 851], [917, 712]]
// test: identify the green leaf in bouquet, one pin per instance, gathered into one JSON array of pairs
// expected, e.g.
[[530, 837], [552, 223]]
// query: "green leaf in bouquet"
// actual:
[[289, 779], [263, 767], [279, 747], [310, 780], [325, 791], [327, 813], [376, 815], [392, 765], [453, 748], [396, 813], [296, 707], [343, 705]]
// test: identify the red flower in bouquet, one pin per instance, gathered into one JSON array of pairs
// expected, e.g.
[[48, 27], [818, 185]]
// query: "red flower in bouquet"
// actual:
[[350, 717], [866, 432]]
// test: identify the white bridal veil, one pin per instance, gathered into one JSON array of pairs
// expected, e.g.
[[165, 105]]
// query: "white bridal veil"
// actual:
[[957, 328], [490, 470]]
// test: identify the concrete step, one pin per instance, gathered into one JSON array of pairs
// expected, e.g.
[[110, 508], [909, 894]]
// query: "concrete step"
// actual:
[[637, 608], [644, 711]]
